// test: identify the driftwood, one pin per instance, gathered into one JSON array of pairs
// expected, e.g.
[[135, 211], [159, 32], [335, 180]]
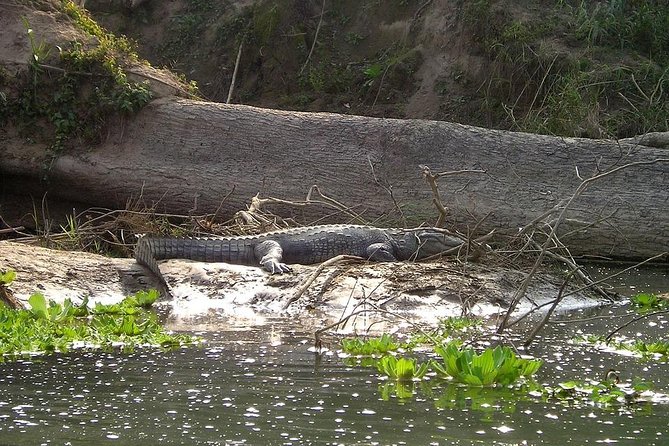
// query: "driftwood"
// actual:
[[188, 155]]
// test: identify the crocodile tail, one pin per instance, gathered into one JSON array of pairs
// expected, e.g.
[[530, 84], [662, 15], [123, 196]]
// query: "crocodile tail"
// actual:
[[144, 255]]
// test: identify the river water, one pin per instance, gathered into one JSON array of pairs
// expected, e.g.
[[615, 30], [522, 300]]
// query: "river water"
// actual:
[[257, 387]]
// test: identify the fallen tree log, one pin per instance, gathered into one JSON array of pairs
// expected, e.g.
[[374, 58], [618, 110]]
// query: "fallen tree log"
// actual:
[[196, 157], [188, 156]]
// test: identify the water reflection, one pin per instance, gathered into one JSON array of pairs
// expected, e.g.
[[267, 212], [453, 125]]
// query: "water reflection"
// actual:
[[237, 390], [261, 386]]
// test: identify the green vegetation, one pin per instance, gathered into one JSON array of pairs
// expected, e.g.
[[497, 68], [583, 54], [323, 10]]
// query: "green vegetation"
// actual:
[[498, 366], [372, 346], [450, 328], [76, 98], [611, 80], [645, 302], [657, 349], [487, 381], [49, 327], [401, 369], [7, 277]]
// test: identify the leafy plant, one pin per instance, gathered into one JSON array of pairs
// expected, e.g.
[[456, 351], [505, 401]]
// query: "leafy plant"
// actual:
[[7, 277], [49, 326], [448, 328], [658, 349], [372, 73], [493, 366], [353, 38], [401, 369], [39, 50], [647, 302], [357, 346], [75, 99]]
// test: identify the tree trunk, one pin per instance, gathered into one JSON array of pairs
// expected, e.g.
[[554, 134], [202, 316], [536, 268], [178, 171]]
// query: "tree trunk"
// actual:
[[187, 156]]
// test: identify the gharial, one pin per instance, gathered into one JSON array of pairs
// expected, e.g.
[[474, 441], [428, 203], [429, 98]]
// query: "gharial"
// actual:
[[307, 245]]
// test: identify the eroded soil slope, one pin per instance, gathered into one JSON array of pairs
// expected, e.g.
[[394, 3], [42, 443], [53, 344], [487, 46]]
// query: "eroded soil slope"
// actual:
[[570, 68]]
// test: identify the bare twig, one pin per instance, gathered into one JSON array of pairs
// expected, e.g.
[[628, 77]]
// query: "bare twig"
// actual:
[[631, 321], [307, 283], [234, 73], [388, 188], [431, 179], [378, 91], [8, 298], [520, 292], [550, 311], [373, 309], [58, 69], [313, 44]]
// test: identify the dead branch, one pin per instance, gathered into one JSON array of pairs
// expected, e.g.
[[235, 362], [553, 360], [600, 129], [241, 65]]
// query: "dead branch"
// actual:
[[257, 203], [307, 283], [389, 189], [313, 44], [431, 179], [234, 73], [8, 298], [552, 308], [373, 309], [585, 278], [522, 290], [631, 321], [583, 288]]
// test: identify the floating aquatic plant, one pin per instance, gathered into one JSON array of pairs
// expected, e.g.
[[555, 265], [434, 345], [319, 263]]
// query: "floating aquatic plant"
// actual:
[[498, 365], [48, 326], [646, 302], [7, 277], [448, 328], [401, 369], [658, 349], [608, 392], [371, 346]]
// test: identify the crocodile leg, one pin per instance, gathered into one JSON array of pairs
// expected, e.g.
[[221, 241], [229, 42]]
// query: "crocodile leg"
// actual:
[[269, 253], [381, 252]]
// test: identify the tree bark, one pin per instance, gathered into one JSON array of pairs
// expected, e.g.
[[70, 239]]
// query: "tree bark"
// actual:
[[186, 156]]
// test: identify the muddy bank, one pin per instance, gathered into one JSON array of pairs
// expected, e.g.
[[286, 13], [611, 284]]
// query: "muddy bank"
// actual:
[[396, 294]]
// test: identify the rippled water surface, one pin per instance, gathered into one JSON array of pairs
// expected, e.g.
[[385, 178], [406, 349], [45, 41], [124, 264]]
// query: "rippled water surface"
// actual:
[[240, 388]]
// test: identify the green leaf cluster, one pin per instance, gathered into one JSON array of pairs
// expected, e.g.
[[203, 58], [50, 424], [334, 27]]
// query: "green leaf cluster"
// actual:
[[401, 369], [491, 367], [371, 346], [645, 302], [77, 97], [48, 326], [657, 349], [7, 277]]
